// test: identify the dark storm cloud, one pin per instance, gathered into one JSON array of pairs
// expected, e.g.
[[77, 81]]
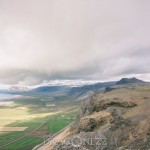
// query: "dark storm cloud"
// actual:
[[73, 39]]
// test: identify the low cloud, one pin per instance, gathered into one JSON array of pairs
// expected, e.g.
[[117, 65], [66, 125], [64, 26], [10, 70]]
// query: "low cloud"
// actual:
[[73, 39]]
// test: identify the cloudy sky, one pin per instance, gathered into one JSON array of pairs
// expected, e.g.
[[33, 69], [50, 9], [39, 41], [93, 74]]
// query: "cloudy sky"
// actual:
[[42, 40]]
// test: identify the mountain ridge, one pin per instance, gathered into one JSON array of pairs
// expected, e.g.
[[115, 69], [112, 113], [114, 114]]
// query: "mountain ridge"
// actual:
[[113, 115], [129, 80]]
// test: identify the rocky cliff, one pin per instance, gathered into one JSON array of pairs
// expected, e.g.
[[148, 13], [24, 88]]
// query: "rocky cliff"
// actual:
[[115, 120]]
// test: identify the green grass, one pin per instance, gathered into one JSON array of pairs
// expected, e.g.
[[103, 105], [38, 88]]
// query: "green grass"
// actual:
[[57, 122], [25, 144]]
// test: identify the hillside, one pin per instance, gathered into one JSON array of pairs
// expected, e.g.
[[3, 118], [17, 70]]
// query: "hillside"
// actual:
[[59, 92], [129, 80], [119, 119]]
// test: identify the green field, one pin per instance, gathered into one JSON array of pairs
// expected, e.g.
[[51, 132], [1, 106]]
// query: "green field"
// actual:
[[41, 122], [24, 144]]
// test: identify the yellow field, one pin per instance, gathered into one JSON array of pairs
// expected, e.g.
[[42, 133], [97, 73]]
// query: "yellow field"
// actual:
[[12, 115], [11, 129]]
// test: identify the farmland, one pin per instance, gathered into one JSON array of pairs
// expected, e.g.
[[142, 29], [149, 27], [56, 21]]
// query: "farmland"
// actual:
[[28, 121]]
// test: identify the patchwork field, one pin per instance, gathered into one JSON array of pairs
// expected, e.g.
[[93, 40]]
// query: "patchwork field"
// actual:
[[27, 122], [12, 129]]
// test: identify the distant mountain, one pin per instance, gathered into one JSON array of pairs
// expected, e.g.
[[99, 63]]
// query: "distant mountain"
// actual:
[[94, 87], [129, 80], [50, 89], [68, 92]]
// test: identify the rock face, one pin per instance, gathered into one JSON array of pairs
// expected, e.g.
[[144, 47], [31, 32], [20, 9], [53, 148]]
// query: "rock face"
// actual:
[[88, 123], [99, 104], [117, 120]]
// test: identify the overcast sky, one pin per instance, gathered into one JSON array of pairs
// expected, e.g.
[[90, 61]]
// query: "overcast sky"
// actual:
[[43, 40]]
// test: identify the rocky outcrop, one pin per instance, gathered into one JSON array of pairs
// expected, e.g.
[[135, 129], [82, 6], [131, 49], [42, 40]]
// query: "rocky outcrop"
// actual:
[[102, 103], [87, 107], [89, 123], [117, 120]]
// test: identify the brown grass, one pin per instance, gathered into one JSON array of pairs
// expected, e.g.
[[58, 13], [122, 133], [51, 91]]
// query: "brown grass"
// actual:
[[12, 129]]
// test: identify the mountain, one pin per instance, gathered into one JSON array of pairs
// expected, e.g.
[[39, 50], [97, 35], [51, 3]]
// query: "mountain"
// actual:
[[111, 120], [95, 88], [129, 80], [68, 92], [50, 89]]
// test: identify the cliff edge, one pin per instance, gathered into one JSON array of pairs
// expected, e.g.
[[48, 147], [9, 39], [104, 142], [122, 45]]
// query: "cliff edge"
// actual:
[[115, 120]]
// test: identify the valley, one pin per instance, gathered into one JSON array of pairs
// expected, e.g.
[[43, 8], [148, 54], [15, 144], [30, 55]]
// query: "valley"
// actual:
[[28, 121]]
